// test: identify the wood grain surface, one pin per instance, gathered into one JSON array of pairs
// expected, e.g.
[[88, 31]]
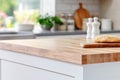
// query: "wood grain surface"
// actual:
[[100, 45], [67, 50]]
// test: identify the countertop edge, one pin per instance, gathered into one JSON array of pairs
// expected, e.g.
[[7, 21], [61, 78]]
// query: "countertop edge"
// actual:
[[81, 60], [57, 33], [39, 53]]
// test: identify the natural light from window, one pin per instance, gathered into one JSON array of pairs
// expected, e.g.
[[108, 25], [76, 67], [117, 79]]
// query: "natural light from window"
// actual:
[[18, 11]]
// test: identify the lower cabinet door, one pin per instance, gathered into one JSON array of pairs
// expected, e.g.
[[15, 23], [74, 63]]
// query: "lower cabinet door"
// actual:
[[15, 71]]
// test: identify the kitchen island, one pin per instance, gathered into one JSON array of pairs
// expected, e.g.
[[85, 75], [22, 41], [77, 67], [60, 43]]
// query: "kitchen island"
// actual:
[[57, 59]]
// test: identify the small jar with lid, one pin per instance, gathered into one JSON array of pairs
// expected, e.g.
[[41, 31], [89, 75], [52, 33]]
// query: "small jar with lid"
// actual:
[[70, 23]]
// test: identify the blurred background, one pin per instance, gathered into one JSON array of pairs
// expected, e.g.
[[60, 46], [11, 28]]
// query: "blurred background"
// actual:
[[19, 11], [14, 12]]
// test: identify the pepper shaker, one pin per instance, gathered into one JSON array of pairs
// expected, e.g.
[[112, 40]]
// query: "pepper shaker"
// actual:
[[89, 28], [95, 27]]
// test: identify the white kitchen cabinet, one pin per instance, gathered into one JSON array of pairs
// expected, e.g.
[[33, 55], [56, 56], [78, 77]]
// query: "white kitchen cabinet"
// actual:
[[57, 60], [17, 66], [14, 71]]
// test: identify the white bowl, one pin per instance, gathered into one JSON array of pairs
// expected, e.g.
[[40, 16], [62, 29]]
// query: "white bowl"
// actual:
[[25, 27]]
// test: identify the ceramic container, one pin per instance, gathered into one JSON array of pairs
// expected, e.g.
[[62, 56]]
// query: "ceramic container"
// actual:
[[25, 27], [106, 25]]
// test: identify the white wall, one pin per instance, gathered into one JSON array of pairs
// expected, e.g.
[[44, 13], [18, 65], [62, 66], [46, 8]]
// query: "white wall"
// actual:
[[47, 6], [111, 9]]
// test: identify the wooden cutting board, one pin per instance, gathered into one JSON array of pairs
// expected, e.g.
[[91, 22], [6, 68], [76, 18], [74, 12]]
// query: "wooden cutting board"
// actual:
[[79, 15], [99, 45]]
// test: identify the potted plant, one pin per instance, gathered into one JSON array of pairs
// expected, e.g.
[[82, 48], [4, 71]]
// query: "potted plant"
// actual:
[[47, 22], [57, 20]]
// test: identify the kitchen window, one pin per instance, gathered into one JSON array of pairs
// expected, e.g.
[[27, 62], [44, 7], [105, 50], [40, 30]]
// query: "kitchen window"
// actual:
[[8, 6], [17, 9]]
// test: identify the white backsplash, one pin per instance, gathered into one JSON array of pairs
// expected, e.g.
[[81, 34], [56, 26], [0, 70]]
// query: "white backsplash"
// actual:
[[69, 6]]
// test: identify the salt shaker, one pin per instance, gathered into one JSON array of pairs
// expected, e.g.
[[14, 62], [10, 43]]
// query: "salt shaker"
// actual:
[[95, 27], [89, 28]]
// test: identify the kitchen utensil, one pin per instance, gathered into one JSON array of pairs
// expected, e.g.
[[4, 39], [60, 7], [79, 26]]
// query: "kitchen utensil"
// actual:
[[79, 15]]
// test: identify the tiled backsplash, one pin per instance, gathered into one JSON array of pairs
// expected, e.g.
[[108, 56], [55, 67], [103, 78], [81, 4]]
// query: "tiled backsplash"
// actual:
[[69, 6], [104, 8]]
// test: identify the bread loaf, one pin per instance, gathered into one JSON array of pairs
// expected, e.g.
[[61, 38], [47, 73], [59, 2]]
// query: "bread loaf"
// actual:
[[106, 39]]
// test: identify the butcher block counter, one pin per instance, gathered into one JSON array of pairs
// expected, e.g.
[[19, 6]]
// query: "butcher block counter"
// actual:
[[68, 50], [57, 59]]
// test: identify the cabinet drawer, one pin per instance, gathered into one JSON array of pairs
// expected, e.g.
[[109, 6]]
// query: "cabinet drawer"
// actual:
[[15, 71]]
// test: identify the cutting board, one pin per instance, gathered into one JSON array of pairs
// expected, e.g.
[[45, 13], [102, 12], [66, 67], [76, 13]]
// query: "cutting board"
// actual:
[[99, 45], [79, 15]]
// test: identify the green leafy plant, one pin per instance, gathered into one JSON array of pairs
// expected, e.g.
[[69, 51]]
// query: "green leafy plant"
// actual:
[[57, 20], [49, 21], [45, 21]]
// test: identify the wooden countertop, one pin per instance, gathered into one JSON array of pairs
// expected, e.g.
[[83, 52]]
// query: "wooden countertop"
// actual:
[[67, 50]]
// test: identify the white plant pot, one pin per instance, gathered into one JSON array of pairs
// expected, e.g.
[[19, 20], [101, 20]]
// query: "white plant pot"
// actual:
[[25, 27]]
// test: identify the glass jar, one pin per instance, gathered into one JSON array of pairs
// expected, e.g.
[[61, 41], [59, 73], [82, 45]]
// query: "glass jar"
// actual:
[[70, 23]]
